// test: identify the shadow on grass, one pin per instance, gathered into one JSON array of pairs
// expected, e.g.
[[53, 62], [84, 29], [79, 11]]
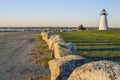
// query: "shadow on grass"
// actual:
[[96, 58], [92, 41], [97, 44], [99, 49]]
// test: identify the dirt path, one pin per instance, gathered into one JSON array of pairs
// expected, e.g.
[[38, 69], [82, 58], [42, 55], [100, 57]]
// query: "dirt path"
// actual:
[[14, 57]]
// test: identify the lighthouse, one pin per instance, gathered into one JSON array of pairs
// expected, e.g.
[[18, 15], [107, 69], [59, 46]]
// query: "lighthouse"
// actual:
[[103, 21]]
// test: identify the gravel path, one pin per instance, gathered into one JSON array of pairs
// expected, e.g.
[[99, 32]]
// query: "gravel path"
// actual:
[[15, 48]]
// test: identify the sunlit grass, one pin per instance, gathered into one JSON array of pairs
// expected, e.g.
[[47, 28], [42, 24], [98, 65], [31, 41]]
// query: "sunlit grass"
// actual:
[[40, 45], [45, 77], [41, 52], [41, 56]]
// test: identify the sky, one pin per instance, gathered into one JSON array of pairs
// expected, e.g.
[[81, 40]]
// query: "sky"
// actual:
[[57, 12]]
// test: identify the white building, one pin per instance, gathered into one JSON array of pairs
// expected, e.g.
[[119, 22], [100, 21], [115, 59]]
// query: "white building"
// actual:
[[103, 21]]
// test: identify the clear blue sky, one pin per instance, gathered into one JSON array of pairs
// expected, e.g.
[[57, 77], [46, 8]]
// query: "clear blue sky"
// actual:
[[57, 12]]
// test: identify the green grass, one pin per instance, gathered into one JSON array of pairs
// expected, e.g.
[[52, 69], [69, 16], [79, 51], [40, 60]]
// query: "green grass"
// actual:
[[96, 45], [41, 52], [40, 45], [45, 77], [41, 56]]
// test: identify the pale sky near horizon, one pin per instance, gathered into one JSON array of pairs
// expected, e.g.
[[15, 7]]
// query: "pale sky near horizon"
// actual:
[[58, 12]]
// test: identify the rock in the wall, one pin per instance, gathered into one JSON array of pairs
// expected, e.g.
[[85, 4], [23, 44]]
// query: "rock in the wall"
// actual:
[[61, 49], [99, 70], [53, 39], [62, 67], [42, 34], [46, 36]]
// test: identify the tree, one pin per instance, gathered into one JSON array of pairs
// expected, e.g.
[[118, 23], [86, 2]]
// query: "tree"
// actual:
[[81, 27]]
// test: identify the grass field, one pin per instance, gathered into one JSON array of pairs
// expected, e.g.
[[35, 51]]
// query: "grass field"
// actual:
[[96, 45]]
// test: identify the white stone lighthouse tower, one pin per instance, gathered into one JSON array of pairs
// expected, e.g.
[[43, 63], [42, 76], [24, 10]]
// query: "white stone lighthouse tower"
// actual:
[[103, 21]]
